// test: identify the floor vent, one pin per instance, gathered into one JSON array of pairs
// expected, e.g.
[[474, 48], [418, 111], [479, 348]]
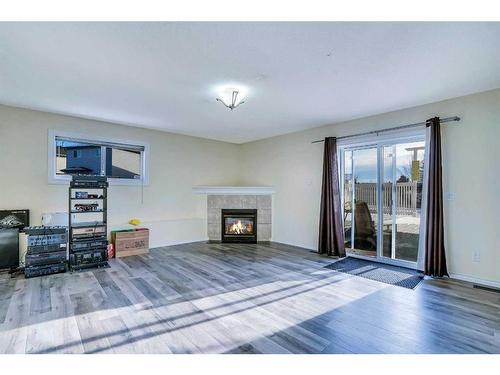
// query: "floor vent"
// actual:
[[489, 289]]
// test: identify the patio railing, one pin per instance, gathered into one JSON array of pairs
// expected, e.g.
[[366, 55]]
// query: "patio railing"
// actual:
[[407, 199]]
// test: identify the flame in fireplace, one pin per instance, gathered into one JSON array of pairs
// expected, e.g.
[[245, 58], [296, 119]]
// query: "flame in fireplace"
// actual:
[[238, 227]]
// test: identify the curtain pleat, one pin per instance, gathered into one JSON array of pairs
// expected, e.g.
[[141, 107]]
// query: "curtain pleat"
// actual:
[[331, 233]]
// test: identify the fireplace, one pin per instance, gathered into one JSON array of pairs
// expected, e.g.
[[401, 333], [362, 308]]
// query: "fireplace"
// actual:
[[239, 226]]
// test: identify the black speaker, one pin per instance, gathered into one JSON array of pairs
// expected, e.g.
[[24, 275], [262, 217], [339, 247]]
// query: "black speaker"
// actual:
[[9, 248]]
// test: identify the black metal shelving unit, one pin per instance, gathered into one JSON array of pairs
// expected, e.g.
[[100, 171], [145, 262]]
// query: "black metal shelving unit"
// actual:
[[87, 239]]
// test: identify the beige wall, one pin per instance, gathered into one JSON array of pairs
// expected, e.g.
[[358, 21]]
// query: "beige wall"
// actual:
[[177, 163], [470, 160]]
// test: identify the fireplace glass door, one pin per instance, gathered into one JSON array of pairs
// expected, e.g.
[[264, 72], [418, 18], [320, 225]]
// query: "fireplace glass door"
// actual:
[[239, 226]]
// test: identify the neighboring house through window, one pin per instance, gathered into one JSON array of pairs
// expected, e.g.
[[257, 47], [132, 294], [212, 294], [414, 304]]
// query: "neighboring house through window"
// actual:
[[122, 162]]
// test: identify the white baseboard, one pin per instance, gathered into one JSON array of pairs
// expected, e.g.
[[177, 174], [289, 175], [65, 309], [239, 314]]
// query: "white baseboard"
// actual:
[[295, 245], [475, 280], [181, 242]]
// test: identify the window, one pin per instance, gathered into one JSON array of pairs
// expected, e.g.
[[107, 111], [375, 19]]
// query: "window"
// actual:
[[123, 162]]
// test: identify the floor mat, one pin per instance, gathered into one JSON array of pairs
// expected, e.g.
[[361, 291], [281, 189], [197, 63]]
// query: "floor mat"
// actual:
[[384, 273]]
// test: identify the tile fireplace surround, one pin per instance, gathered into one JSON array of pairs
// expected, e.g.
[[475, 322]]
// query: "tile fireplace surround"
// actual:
[[233, 197]]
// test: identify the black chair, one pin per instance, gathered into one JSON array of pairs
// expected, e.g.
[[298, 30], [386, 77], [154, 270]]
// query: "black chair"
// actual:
[[365, 234]]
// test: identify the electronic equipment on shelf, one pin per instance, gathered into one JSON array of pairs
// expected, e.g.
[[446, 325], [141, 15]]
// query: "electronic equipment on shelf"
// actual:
[[88, 232], [89, 245], [37, 259], [86, 195], [44, 270], [85, 259], [89, 182], [86, 207], [45, 230], [46, 239], [88, 241], [46, 250], [49, 239]]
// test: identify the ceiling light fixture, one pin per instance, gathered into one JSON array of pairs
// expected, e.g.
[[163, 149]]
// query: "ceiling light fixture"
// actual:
[[231, 98]]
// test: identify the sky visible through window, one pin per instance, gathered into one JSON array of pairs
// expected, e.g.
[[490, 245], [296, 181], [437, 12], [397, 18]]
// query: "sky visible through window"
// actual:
[[366, 162]]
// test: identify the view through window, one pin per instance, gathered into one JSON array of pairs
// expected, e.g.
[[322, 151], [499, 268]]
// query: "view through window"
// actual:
[[86, 157]]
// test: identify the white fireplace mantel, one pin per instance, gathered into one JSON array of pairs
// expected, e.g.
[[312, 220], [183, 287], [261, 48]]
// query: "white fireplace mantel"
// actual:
[[234, 190]]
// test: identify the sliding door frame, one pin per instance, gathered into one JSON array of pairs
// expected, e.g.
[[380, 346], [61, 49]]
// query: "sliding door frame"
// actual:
[[378, 142]]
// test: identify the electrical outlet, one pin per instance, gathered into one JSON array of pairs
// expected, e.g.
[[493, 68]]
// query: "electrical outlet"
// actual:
[[476, 256]]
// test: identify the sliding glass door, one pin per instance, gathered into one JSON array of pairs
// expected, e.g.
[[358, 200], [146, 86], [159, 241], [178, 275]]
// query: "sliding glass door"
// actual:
[[360, 196], [403, 164], [382, 198]]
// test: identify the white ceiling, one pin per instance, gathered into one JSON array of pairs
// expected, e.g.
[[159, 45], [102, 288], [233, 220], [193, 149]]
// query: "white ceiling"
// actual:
[[300, 75]]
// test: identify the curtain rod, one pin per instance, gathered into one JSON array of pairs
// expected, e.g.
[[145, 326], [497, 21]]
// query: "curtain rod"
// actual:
[[447, 119]]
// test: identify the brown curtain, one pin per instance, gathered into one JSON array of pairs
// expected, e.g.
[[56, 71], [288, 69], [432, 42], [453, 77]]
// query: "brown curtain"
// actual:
[[435, 257], [331, 233]]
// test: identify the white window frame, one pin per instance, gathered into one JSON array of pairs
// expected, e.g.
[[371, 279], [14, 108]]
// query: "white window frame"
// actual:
[[54, 178]]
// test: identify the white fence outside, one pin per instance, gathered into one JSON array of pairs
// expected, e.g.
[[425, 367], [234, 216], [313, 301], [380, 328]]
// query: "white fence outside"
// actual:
[[406, 197]]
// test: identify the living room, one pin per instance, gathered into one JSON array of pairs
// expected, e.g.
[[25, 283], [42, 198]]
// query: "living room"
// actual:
[[249, 187]]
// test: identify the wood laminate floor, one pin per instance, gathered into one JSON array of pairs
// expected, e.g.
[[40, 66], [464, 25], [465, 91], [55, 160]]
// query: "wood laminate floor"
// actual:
[[217, 298]]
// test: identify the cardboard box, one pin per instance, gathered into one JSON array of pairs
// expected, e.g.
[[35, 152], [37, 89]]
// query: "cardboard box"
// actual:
[[130, 242]]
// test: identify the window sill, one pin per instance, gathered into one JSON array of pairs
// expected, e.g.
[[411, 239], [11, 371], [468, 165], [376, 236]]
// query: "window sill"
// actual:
[[112, 181]]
